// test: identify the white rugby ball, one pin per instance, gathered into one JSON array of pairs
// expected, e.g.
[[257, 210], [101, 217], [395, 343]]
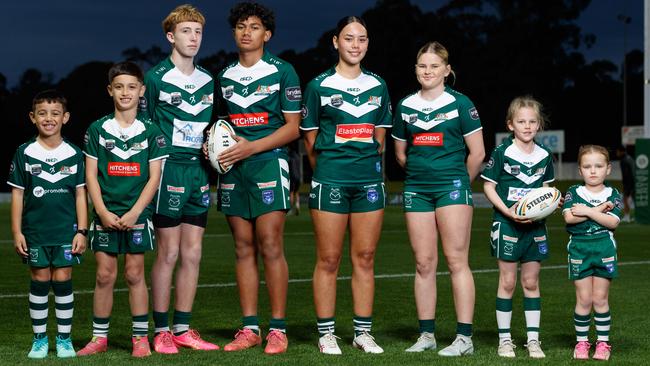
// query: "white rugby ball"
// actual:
[[221, 138], [539, 203]]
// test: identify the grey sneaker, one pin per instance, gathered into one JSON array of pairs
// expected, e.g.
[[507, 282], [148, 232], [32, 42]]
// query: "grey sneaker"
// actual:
[[506, 348], [426, 341], [461, 346]]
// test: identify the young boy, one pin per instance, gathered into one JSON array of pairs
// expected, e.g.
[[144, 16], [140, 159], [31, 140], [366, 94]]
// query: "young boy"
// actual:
[[49, 223], [261, 96], [179, 100], [123, 163]]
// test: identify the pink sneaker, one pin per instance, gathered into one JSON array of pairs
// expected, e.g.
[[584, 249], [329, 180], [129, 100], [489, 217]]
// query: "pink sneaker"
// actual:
[[96, 345], [192, 339], [140, 347], [581, 352], [244, 339], [603, 350], [163, 343], [277, 342]]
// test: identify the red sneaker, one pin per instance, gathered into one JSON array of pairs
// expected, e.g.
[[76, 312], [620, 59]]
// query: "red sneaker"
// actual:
[[244, 339], [603, 351], [96, 345], [140, 346], [163, 343], [192, 339], [277, 342]]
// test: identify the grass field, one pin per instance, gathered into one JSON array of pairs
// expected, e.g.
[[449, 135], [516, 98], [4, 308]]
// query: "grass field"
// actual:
[[216, 311]]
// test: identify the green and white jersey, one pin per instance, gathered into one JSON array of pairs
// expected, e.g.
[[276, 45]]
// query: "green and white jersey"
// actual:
[[515, 172], [123, 156], [254, 98], [435, 131], [346, 112], [49, 180], [181, 106], [581, 195]]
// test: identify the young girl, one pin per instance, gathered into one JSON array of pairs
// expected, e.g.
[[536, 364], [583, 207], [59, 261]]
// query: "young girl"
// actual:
[[432, 129], [516, 166], [592, 211], [345, 114]]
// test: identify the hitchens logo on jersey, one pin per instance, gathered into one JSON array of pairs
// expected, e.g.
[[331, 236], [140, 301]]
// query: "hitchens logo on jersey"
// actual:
[[428, 139], [249, 119], [117, 169], [359, 132]]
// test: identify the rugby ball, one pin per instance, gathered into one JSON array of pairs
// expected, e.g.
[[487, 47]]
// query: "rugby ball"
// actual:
[[539, 203], [221, 138]]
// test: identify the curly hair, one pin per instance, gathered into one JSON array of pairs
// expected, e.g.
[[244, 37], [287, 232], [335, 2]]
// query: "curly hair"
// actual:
[[245, 10]]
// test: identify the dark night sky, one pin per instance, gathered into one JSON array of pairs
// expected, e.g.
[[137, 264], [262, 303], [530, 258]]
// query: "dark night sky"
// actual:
[[56, 36]]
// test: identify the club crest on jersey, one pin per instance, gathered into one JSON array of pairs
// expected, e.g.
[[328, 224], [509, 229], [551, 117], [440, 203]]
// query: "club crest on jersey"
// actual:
[[373, 100], [206, 99], [109, 144], [336, 100], [413, 118], [137, 146], [137, 237], [65, 170], [372, 195], [473, 113], [515, 169], [176, 98], [268, 197], [263, 90], [35, 169], [228, 91]]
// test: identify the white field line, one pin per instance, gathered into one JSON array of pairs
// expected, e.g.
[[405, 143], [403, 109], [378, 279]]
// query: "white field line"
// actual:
[[341, 278]]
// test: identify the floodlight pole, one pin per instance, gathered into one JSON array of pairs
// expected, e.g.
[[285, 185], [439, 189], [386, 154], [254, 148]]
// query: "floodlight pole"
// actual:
[[625, 20], [646, 69]]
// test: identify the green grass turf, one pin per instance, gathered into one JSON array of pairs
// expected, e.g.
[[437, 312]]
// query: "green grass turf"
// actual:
[[216, 309]]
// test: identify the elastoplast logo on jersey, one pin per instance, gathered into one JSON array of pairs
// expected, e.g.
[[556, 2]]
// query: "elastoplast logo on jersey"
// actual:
[[510, 238], [120, 169], [359, 132], [249, 119], [175, 189], [608, 259], [264, 185], [428, 139], [293, 94]]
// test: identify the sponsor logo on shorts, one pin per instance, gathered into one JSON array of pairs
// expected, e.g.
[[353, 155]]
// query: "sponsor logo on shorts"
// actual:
[[336, 100], [174, 201], [293, 94], [378, 167], [228, 91], [175, 189], [121, 169], [408, 199], [225, 199], [35, 169], [359, 132], [205, 188], [457, 183], [33, 254], [373, 100], [575, 268], [508, 249], [271, 184], [335, 195], [608, 259], [372, 195], [268, 197], [542, 247], [137, 237], [137, 227], [176, 98], [67, 254], [473, 113], [575, 261], [537, 239], [428, 139], [227, 186], [510, 238], [103, 239], [109, 144], [249, 119], [205, 200], [610, 267], [454, 195]]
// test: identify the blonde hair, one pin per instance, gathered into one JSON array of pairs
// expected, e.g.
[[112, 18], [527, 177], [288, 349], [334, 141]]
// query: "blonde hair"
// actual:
[[526, 101], [588, 149], [439, 50], [182, 13]]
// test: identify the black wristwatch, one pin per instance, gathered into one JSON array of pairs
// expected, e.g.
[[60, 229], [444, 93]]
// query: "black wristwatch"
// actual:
[[83, 232]]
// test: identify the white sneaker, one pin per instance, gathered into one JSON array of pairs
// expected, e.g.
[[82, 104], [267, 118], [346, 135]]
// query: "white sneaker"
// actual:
[[535, 349], [327, 344], [366, 343], [506, 348], [425, 342], [461, 346]]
